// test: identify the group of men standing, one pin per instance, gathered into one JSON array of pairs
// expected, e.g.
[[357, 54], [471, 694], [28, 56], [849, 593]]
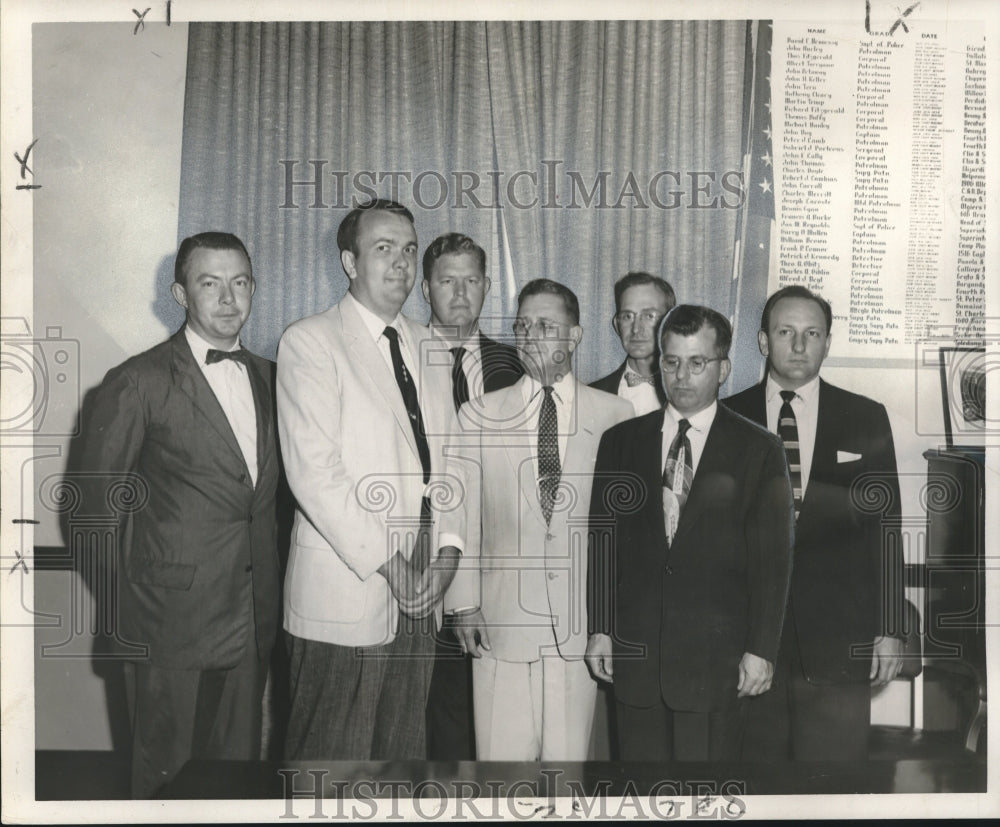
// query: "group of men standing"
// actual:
[[479, 537]]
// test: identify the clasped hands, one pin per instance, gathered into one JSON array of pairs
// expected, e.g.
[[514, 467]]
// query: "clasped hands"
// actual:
[[418, 592]]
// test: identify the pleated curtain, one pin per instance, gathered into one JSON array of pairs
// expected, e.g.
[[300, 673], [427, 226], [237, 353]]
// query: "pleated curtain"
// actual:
[[568, 109]]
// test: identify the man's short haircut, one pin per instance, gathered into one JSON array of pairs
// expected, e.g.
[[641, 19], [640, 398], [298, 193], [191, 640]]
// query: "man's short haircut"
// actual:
[[795, 291], [637, 278], [205, 241], [452, 244], [540, 286], [688, 319], [347, 232]]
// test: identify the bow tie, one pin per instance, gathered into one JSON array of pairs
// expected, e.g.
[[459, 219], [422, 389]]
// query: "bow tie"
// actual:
[[633, 379], [214, 356]]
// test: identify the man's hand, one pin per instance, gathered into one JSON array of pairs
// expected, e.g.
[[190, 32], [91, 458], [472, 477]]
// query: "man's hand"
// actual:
[[755, 676], [400, 577], [598, 657], [887, 660], [430, 586], [470, 629]]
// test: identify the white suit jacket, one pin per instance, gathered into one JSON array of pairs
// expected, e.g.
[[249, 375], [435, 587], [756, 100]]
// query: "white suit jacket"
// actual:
[[528, 578], [352, 463]]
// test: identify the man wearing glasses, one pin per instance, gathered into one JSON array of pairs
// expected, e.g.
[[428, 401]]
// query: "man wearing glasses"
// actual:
[[523, 460], [689, 569], [641, 301]]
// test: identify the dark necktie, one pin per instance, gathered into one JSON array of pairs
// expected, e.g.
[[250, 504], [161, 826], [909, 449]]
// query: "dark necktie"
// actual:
[[788, 430], [420, 558], [409, 392], [214, 356], [459, 384], [678, 474], [548, 454]]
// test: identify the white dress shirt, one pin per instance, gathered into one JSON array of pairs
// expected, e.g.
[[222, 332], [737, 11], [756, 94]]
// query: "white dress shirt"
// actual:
[[697, 434], [472, 360], [376, 327], [805, 405], [230, 383], [642, 396], [564, 395]]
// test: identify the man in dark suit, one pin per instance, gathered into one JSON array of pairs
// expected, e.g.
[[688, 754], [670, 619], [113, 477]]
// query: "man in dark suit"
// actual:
[[191, 422], [641, 302], [690, 557], [846, 591], [455, 285]]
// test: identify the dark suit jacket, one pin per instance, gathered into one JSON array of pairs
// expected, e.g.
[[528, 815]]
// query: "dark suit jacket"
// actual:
[[847, 544], [197, 563], [611, 382], [501, 365], [682, 617]]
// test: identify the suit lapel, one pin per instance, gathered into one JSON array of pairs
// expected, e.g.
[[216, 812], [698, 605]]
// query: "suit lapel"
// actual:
[[716, 458], [367, 356], [519, 437], [647, 461], [265, 422], [193, 383]]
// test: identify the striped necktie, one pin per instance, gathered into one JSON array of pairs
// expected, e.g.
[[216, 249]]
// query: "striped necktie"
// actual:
[[788, 430], [678, 474]]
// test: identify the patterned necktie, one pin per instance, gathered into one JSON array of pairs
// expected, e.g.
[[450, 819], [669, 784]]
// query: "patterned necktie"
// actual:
[[548, 454], [678, 473], [409, 392], [459, 384], [214, 356], [788, 430], [632, 379]]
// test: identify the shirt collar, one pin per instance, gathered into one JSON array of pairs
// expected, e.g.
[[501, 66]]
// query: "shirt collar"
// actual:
[[807, 392], [373, 324], [700, 421], [471, 344], [200, 347], [564, 390]]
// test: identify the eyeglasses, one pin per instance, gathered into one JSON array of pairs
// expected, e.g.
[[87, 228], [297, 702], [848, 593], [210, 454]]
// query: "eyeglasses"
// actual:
[[550, 330], [695, 365], [648, 318]]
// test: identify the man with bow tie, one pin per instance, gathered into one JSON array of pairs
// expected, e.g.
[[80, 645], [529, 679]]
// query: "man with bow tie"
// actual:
[[844, 633], [641, 301], [690, 557], [190, 425]]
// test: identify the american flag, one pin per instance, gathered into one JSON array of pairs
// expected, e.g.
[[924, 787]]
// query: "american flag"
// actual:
[[754, 230]]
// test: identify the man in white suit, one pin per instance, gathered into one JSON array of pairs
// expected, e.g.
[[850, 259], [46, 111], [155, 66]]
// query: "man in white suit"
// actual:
[[361, 429], [524, 457]]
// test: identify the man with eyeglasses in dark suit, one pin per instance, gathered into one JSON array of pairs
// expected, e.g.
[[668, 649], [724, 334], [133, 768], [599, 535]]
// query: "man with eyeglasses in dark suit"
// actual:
[[690, 555]]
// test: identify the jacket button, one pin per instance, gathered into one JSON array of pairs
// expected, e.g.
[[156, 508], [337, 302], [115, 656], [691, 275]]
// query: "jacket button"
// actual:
[[668, 570], [249, 567], [249, 518], [552, 575], [550, 537]]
